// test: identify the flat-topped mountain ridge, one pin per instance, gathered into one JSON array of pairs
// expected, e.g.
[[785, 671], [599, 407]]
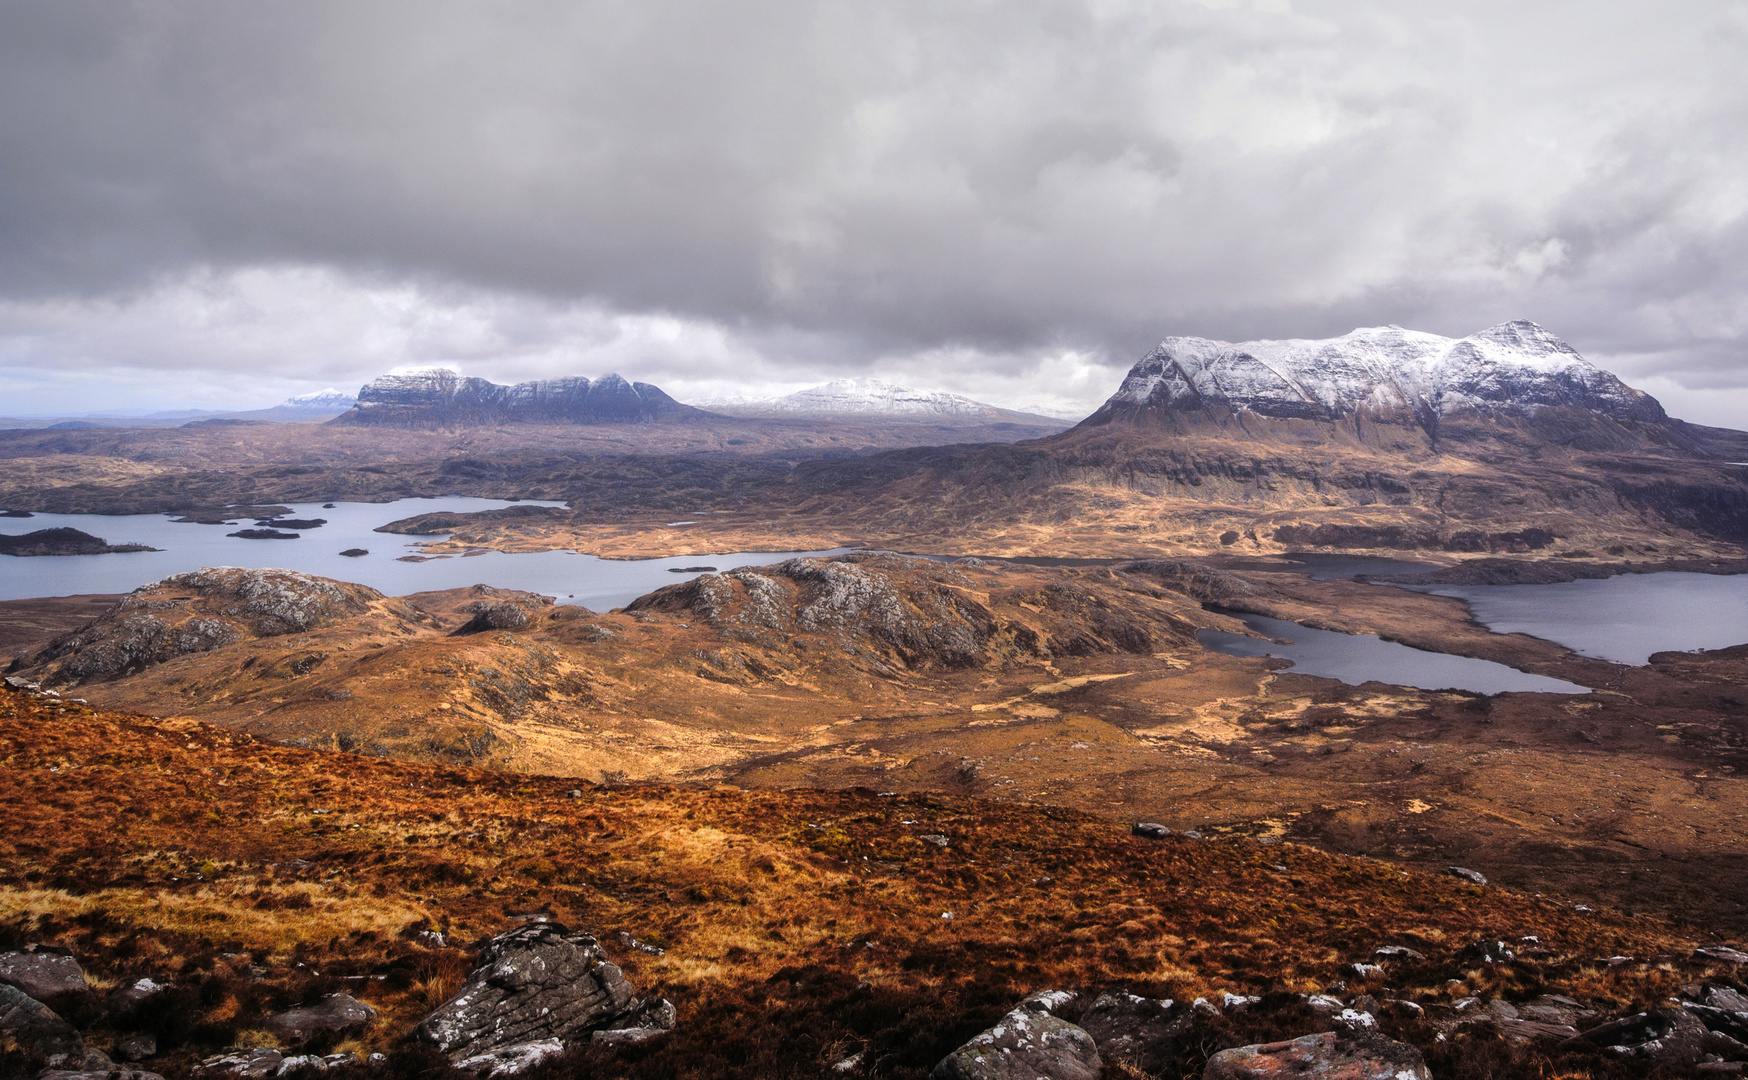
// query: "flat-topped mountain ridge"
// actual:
[[443, 398]]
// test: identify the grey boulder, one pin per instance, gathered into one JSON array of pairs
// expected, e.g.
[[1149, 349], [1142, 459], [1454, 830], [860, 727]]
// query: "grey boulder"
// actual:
[[513, 1059], [126, 1000], [648, 1020], [1025, 1045], [137, 1047], [1326, 1056], [340, 1014], [37, 1029], [1144, 1032], [534, 983], [1661, 1036], [252, 1063], [42, 971]]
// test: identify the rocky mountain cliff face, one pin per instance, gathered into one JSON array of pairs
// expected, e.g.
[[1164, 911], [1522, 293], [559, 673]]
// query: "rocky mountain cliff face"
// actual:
[[1516, 368], [440, 398]]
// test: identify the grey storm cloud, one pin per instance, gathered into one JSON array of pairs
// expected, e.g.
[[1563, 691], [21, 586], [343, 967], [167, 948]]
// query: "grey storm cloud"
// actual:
[[699, 191]]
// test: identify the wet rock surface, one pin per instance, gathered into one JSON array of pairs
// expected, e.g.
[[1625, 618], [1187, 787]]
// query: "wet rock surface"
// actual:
[[534, 983]]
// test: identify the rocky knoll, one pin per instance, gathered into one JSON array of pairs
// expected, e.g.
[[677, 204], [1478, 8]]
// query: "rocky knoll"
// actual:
[[194, 613], [883, 610], [440, 398]]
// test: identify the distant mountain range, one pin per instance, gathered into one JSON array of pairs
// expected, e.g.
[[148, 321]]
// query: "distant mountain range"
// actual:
[[443, 398], [874, 399], [302, 409]]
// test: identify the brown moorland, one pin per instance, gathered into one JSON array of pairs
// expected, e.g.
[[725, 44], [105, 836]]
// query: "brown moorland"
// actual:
[[1081, 687], [799, 927]]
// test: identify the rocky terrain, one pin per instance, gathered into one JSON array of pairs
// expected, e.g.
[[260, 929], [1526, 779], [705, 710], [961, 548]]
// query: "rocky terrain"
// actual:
[[1079, 687], [210, 905]]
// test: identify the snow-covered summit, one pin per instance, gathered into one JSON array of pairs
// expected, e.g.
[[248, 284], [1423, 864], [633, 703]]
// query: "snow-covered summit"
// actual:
[[1513, 367], [328, 400], [870, 398]]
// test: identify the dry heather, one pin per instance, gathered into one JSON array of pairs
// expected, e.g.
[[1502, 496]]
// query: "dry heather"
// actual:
[[799, 927]]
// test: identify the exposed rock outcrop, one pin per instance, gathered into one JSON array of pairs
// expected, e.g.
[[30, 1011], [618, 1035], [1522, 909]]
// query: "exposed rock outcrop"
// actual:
[[888, 611], [1326, 1056], [36, 1029], [535, 983], [340, 1014], [41, 971], [193, 613], [1024, 1045]]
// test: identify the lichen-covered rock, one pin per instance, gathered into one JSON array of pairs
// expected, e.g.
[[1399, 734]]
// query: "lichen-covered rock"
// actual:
[[510, 1060], [340, 1014], [1144, 1032], [1027, 1044], [127, 1000], [494, 615], [194, 613], [251, 1063], [42, 971], [1326, 1056], [38, 1030], [533, 983], [1661, 1036], [643, 1023]]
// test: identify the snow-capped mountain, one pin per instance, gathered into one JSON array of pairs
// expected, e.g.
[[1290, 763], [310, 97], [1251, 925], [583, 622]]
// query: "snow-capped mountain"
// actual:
[[442, 398], [1514, 367], [873, 399], [328, 400]]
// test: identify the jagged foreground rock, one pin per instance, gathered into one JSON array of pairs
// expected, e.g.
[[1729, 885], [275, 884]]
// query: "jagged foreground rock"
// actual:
[[1325, 1056], [536, 985]]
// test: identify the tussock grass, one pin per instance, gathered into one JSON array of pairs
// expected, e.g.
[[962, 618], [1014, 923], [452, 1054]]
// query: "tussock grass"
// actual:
[[800, 926]]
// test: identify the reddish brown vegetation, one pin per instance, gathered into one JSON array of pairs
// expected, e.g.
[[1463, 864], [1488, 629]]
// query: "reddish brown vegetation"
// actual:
[[800, 926]]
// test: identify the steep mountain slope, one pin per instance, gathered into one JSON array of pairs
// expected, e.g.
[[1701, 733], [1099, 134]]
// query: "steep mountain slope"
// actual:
[[442, 398], [872, 398], [1391, 373]]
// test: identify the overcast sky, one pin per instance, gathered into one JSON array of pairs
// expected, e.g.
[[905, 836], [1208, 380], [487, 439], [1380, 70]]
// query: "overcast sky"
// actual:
[[218, 204]]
